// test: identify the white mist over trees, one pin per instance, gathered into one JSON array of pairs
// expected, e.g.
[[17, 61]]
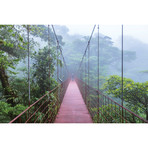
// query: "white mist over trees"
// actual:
[[135, 60], [73, 43], [75, 38]]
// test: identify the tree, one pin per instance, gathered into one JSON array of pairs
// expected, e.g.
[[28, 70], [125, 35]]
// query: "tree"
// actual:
[[41, 31], [41, 69], [135, 94], [11, 50]]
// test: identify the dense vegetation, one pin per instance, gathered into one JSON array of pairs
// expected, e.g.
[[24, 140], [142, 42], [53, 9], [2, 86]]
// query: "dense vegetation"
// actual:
[[135, 93], [14, 73], [13, 67]]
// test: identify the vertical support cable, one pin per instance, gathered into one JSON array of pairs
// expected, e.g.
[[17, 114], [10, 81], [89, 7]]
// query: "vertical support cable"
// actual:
[[122, 72], [57, 72], [49, 51], [88, 70], [28, 29], [98, 75], [81, 73], [85, 80], [57, 64], [58, 46], [63, 72], [60, 71]]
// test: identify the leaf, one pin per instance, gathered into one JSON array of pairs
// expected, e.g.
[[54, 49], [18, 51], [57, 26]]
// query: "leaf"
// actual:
[[1, 42], [20, 38]]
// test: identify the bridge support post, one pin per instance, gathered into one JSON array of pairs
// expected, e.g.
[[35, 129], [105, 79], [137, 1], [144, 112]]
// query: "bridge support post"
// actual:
[[57, 73], [88, 76], [85, 83], [122, 72], [98, 78], [28, 30], [49, 51]]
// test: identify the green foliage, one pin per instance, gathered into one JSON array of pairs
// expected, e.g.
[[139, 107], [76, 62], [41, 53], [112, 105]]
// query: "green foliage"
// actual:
[[135, 94], [7, 113], [112, 114], [41, 74], [144, 71], [42, 32], [5, 110], [18, 109], [13, 50], [109, 59]]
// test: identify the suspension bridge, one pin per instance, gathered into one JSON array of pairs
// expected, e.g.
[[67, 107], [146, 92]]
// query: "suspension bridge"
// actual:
[[76, 100]]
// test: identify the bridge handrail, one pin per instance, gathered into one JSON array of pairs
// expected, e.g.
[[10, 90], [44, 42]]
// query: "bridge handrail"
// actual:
[[33, 104], [49, 92], [100, 93]]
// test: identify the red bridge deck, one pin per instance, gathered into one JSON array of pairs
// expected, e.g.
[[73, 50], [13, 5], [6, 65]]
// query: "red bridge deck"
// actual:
[[73, 108]]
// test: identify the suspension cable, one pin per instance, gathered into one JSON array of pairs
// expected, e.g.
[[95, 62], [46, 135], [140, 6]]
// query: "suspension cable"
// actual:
[[59, 47], [87, 47]]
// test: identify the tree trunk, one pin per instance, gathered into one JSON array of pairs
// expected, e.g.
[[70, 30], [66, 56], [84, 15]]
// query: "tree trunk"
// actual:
[[8, 92]]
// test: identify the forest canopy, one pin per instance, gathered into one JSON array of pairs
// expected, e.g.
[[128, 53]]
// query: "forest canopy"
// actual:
[[42, 44]]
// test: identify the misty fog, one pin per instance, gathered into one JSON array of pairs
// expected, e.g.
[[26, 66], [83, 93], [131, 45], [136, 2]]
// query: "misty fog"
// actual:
[[135, 41], [73, 39]]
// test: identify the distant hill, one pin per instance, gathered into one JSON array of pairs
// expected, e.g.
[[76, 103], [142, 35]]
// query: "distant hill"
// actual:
[[134, 68]]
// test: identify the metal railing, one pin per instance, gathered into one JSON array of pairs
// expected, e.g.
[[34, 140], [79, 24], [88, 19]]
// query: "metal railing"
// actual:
[[103, 109], [45, 109]]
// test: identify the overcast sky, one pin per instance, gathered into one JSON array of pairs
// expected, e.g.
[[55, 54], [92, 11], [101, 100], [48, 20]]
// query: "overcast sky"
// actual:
[[114, 31]]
